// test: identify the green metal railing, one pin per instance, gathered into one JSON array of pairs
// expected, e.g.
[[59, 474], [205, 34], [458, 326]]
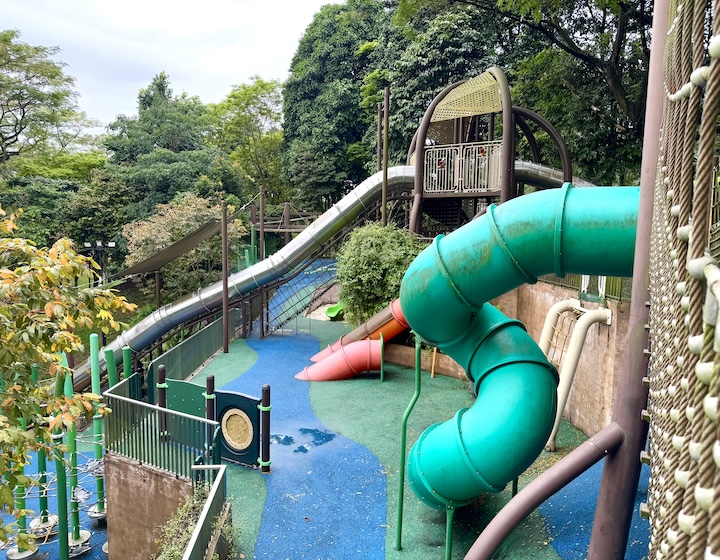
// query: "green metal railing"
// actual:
[[165, 439], [197, 548], [184, 358]]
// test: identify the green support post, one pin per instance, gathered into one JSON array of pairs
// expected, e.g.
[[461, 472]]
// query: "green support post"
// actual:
[[64, 544], [127, 362], [403, 442], [99, 509], [75, 537], [42, 526], [111, 367], [382, 357], [20, 551]]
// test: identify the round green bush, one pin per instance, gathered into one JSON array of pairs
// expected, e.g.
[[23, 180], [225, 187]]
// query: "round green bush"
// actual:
[[371, 264]]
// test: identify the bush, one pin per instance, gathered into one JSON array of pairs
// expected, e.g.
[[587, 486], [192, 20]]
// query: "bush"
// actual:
[[371, 264]]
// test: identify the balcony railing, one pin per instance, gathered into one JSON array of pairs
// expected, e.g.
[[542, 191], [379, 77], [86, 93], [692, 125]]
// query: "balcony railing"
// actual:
[[463, 168]]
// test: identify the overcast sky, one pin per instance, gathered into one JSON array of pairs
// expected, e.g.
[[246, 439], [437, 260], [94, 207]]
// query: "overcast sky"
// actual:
[[113, 49]]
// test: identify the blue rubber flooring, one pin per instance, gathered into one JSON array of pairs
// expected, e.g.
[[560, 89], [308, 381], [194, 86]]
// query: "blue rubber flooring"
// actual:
[[325, 489], [49, 548]]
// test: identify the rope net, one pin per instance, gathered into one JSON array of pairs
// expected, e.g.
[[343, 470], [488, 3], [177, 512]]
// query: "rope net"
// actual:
[[683, 447]]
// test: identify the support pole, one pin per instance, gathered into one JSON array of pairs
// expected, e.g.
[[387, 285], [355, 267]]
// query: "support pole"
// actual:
[[379, 136], [75, 536], [286, 223], [127, 361], [403, 443], [618, 486], [225, 274], [111, 367], [62, 502], [98, 510], [265, 430], [158, 289], [386, 124], [261, 223], [162, 397]]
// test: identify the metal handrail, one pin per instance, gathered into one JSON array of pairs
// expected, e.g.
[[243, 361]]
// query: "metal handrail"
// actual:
[[203, 532]]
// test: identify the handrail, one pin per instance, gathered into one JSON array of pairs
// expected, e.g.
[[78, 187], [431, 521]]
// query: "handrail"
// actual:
[[203, 532]]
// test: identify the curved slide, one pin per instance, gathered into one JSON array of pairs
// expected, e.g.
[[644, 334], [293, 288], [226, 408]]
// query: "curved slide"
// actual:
[[443, 296], [245, 281], [277, 265]]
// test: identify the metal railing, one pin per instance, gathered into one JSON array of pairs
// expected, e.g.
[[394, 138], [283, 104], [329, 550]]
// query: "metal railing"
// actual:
[[463, 168], [607, 287], [202, 536], [163, 438]]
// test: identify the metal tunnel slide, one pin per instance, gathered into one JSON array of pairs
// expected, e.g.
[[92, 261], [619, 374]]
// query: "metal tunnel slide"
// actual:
[[443, 297], [301, 247]]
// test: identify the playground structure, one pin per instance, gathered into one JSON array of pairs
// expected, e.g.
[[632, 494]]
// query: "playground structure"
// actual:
[[672, 252]]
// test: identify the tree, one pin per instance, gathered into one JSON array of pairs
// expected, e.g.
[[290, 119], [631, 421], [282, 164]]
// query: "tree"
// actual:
[[370, 268], [36, 96], [457, 44], [322, 99], [40, 309], [171, 222], [44, 203], [249, 128], [164, 121]]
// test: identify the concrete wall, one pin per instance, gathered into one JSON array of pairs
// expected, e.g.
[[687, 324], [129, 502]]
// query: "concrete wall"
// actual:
[[139, 499], [591, 400]]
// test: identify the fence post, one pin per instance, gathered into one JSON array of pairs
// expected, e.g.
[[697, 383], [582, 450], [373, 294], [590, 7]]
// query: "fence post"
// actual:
[[265, 430], [162, 387], [209, 395]]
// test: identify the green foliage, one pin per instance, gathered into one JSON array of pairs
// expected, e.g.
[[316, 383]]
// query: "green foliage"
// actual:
[[36, 96], [371, 264], [173, 537], [40, 311], [322, 109], [44, 202], [164, 121], [169, 224], [249, 128]]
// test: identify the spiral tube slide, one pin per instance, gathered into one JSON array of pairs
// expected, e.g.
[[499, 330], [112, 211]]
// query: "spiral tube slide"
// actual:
[[443, 297]]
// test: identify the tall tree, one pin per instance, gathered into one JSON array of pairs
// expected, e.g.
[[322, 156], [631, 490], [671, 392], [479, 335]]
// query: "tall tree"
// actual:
[[323, 118], [36, 96], [249, 128]]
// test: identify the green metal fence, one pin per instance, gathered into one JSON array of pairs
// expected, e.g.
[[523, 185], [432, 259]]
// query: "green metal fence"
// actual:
[[183, 359], [197, 548], [165, 439]]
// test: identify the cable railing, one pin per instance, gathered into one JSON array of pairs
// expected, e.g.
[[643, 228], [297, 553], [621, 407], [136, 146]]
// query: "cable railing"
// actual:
[[163, 438]]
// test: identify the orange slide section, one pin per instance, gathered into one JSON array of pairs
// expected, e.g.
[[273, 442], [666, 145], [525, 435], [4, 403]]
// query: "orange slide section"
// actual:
[[351, 359], [389, 322]]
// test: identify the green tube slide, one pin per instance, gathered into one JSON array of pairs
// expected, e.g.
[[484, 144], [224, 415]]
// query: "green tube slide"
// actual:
[[443, 296]]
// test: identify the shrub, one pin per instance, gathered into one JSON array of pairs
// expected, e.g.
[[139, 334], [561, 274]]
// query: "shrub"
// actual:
[[371, 264]]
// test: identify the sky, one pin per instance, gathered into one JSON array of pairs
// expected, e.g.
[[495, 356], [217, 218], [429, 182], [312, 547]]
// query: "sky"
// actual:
[[113, 49]]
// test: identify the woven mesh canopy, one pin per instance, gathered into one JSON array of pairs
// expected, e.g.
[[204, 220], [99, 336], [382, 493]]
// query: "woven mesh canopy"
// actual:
[[478, 96]]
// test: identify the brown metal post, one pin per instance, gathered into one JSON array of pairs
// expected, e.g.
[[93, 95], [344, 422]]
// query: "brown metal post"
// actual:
[[261, 225], [210, 397], [286, 222], [508, 155], [379, 136], [613, 513], [158, 289], [225, 274], [265, 429], [386, 125]]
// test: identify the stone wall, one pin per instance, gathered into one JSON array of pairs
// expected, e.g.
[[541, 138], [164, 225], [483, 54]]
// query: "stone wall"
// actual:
[[139, 499], [591, 400]]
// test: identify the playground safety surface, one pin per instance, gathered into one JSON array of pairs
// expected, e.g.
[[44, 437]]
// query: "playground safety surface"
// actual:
[[333, 489]]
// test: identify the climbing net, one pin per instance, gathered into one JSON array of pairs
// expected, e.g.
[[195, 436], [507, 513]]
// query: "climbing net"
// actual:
[[684, 449]]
